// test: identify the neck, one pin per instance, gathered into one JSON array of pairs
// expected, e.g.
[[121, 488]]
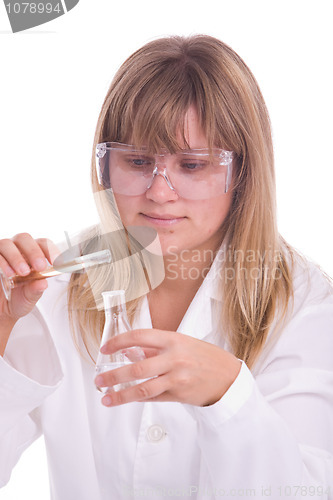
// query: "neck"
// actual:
[[187, 270], [184, 273]]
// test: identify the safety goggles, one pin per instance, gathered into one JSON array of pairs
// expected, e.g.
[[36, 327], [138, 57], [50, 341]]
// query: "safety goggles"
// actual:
[[193, 174]]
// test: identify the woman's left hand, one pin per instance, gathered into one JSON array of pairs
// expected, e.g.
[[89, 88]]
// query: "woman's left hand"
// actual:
[[184, 369]]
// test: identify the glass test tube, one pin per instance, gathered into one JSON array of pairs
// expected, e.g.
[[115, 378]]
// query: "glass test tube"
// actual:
[[77, 264]]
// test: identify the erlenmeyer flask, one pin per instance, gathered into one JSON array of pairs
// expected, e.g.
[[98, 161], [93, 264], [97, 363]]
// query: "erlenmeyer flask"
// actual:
[[116, 322]]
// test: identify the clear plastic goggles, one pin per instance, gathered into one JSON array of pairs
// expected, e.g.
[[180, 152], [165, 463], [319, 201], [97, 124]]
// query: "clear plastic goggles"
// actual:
[[193, 174]]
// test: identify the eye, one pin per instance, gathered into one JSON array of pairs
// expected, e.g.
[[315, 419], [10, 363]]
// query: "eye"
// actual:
[[140, 162], [194, 165], [191, 165]]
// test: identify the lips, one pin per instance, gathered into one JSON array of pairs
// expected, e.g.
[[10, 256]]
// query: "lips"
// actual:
[[163, 216], [162, 219]]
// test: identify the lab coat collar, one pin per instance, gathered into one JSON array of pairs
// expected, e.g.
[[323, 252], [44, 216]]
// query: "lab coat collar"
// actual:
[[197, 320]]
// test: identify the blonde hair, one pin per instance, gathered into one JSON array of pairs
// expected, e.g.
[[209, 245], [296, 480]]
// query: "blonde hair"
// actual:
[[146, 104]]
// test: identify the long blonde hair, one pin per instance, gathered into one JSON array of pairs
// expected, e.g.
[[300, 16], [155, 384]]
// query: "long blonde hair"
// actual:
[[146, 104]]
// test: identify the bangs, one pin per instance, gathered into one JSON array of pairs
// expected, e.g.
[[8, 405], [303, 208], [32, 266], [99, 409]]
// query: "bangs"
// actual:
[[154, 116], [153, 90]]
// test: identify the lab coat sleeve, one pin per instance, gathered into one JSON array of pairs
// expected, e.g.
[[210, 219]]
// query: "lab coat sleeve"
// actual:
[[272, 434], [30, 371]]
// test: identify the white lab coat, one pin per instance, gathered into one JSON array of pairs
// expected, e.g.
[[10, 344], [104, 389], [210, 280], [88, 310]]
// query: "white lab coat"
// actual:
[[270, 435]]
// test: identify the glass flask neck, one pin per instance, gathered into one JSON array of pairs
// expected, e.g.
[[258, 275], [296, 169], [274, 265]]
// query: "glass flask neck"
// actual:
[[116, 314], [113, 300], [115, 308]]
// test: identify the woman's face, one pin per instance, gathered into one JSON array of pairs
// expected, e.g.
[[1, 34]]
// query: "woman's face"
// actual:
[[181, 224]]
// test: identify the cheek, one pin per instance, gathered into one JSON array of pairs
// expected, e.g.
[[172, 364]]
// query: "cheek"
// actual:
[[126, 207], [213, 212]]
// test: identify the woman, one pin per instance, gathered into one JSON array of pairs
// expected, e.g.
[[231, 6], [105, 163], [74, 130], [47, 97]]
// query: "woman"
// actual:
[[238, 402]]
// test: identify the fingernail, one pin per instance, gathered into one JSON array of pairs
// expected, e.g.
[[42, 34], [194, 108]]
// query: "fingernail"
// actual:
[[104, 349], [107, 401], [39, 264], [24, 268]]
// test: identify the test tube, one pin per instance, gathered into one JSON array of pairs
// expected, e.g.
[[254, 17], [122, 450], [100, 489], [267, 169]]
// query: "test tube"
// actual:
[[77, 264]]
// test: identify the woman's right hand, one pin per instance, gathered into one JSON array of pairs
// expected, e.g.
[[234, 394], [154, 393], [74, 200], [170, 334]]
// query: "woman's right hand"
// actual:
[[20, 255]]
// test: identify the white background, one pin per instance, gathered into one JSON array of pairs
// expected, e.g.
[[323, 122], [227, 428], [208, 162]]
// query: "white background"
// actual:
[[52, 84]]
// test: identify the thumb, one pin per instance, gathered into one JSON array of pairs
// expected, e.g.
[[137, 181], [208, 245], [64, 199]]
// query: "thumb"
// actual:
[[33, 291], [24, 298]]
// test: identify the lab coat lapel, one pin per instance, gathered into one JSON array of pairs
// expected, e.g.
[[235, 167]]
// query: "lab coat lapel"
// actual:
[[197, 321]]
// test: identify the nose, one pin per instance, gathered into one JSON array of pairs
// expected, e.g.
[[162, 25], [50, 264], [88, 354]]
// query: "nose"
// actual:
[[160, 189]]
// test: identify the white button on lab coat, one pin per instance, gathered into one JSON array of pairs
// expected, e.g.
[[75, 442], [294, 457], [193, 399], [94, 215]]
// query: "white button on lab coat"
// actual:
[[271, 434]]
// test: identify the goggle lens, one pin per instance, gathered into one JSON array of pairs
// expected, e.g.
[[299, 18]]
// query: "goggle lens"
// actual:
[[194, 174]]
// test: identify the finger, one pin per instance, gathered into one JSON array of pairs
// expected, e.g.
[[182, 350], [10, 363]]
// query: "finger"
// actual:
[[134, 354], [34, 290], [14, 258], [150, 351], [31, 250], [141, 370], [6, 269], [137, 353], [152, 389], [49, 248], [28, 295], [144, 338]]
